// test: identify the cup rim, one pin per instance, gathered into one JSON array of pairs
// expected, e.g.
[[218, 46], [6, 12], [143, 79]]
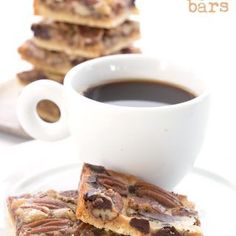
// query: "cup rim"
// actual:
[[72, 72]]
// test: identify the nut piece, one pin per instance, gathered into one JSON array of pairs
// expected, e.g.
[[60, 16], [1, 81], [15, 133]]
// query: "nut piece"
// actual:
[[140, 224], [48, 227], [167, 199], [30, 214], [111, 183], [80, 9], [102, 203], [64, 213]]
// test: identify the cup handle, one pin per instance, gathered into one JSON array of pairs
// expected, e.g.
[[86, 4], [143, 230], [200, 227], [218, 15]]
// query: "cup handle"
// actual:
[[27, 114]]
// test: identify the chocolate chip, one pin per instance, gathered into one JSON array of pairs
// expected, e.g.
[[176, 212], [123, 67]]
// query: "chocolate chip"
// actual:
[[102, 203], [167, 231], [98, 201], [40, 31], [141, 225], [90, 195], [132, 189], [126, 50]]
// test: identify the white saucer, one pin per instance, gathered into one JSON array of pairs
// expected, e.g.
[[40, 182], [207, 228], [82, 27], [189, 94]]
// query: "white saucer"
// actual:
[[213, 195]]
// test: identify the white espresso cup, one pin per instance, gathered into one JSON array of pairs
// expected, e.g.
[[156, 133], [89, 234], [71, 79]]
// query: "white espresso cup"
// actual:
[[159, 144]]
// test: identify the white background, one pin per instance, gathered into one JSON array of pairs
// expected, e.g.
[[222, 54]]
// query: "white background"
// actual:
[[204, 41]]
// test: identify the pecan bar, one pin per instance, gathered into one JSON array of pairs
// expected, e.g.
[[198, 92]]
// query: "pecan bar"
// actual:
[[49, 213], [93, 13], [30, 76], [53, 61], [127, 205], [82, 40]]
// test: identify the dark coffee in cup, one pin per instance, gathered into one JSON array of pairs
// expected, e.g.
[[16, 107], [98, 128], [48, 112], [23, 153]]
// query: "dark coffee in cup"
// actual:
[[139, 93]]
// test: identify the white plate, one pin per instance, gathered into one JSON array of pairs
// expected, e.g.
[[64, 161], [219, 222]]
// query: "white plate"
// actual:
[[214, 196]]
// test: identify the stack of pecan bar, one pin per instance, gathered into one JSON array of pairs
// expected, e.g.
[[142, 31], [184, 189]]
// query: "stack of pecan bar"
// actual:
[[73, 31], [107, 203]]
